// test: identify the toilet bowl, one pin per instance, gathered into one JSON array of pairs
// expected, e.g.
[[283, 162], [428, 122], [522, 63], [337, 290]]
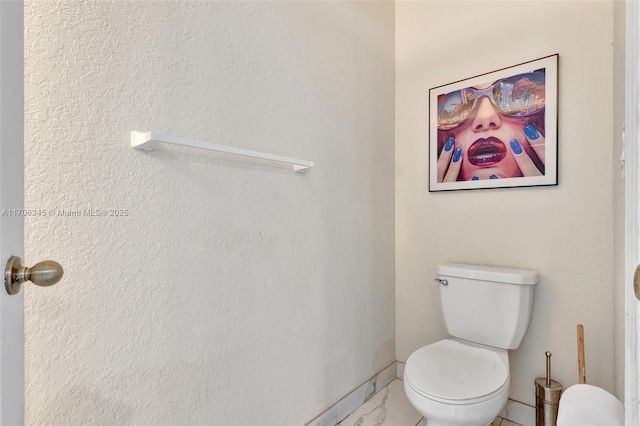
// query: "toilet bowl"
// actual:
[[586, 405], [453, 382], [464, 380]]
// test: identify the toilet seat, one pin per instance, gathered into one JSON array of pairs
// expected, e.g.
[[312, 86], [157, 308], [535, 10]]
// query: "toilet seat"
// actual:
[[453, 372]]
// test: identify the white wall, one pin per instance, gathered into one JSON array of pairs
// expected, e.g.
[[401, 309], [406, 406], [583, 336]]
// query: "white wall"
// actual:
[[563, 232], [235, 292]]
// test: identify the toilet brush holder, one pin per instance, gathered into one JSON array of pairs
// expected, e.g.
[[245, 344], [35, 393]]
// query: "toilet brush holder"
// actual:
[[547, 397]]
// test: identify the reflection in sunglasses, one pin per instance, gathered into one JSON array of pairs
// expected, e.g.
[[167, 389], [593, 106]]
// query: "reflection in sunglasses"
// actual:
[[517, 96]]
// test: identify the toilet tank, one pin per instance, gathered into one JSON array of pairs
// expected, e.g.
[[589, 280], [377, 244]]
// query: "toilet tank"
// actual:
[[485, 304]]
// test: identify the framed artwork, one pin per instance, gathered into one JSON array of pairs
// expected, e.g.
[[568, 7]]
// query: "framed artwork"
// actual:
[[496, 130]]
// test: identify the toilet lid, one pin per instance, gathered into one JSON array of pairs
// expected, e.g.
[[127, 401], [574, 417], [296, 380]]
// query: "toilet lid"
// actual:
[[455, 371]]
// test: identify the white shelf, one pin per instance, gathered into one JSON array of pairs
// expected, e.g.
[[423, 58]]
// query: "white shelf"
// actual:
[[146, 141]]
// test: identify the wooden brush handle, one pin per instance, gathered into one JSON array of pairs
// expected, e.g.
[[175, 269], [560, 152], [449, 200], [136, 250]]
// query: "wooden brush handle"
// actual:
[[582, 374]]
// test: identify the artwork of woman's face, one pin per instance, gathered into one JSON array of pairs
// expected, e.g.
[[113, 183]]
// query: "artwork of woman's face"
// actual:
[[493, 130], [485, 143]]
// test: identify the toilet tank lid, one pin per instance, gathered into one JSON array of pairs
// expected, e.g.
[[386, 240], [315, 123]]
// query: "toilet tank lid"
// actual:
[[489, 273]]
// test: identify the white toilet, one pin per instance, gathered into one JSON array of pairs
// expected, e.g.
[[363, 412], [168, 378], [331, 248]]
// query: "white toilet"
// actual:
[[464, 380]]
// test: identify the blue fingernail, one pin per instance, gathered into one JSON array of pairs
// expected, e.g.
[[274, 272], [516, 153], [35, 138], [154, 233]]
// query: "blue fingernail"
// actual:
[[515, 146], [493, 177], [475, 178], [457, 154], [531, 132], [449, 144]]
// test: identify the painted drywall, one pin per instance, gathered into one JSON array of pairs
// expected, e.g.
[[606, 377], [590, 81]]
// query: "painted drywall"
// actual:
[[618, 90], [231, 291], [563, 232]]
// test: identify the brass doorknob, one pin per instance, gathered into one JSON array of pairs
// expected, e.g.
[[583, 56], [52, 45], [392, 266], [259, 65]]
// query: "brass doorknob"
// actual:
[[42, 274], [636, 282]]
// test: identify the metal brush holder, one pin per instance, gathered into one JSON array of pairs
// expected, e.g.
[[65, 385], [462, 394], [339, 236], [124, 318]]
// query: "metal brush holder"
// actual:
[[548, 393]]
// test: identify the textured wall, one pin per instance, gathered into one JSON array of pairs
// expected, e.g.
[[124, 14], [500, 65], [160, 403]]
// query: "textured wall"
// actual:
[[234, 292], [563, 232]]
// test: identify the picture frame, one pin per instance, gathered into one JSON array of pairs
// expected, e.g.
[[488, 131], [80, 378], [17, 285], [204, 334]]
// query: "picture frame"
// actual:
[[496, 130]]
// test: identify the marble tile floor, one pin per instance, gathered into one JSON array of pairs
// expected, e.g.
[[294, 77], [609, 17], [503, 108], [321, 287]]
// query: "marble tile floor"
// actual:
[[390, 407]]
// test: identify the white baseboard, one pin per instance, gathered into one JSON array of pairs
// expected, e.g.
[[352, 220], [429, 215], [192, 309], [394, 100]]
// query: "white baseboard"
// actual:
[[354, 399], [400, 370], [520, 413]]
